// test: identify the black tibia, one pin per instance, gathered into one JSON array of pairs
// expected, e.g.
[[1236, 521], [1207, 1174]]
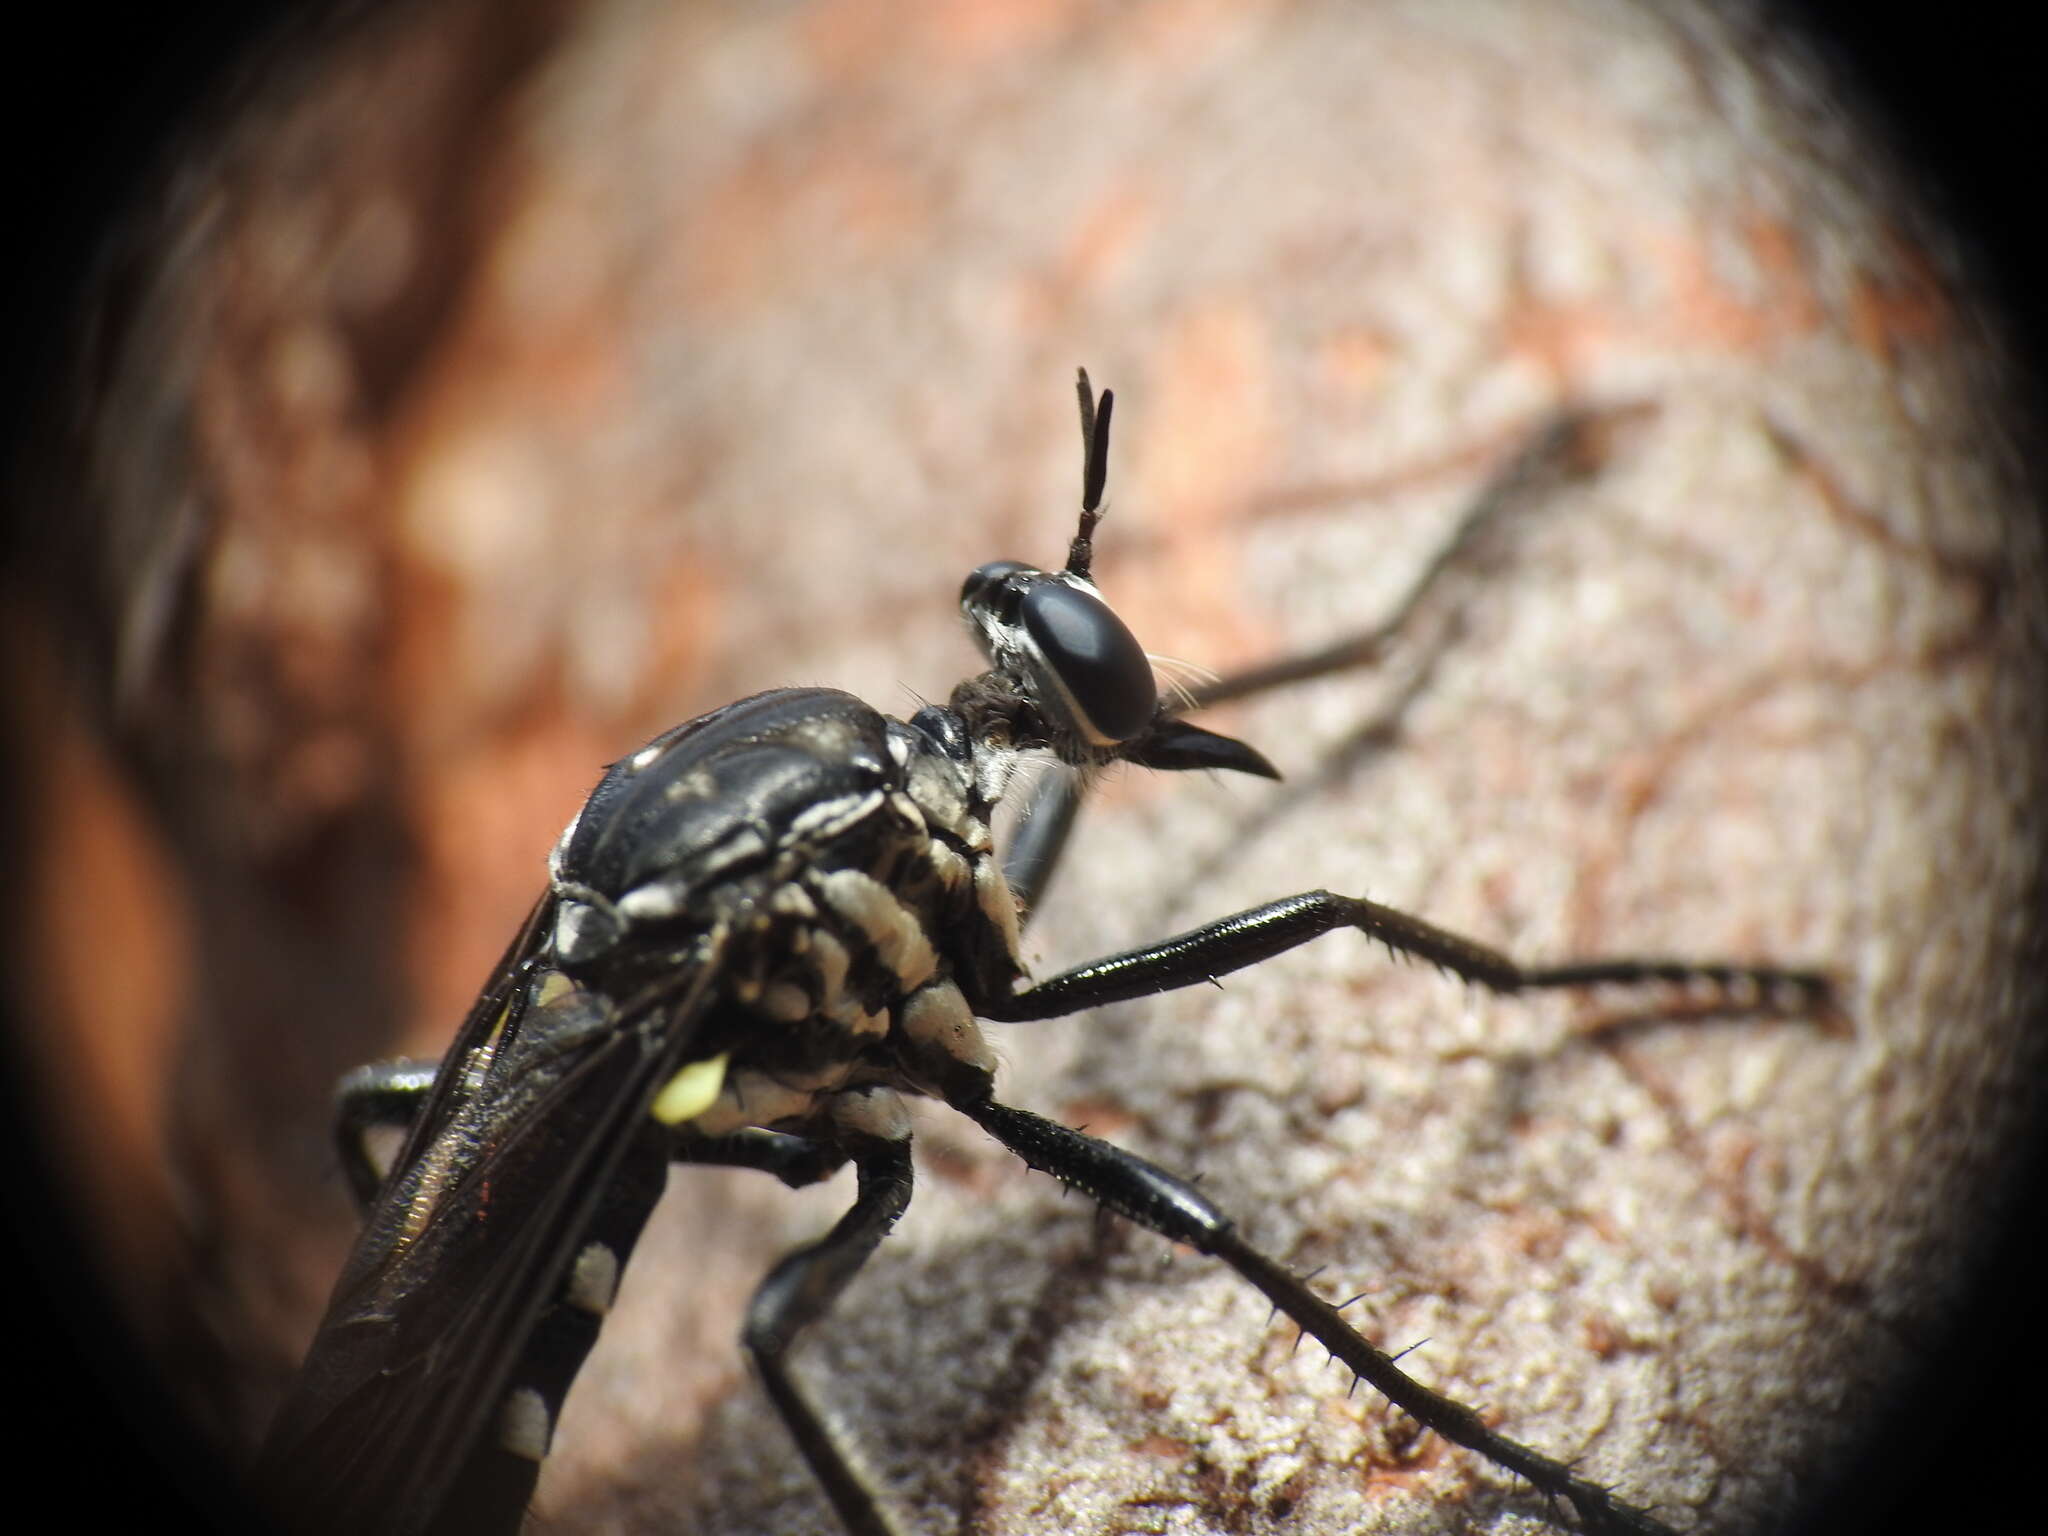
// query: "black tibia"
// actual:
[[1245, 938], [800, 1290], [1120, 1180], [796, 1160], [1175, 1209]]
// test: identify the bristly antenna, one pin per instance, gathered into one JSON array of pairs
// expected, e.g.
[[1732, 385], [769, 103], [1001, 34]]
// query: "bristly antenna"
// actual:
[[1094, 471]]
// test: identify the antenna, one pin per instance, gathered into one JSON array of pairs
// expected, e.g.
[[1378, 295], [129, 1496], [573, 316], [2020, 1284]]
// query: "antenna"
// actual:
[[1094, 471]]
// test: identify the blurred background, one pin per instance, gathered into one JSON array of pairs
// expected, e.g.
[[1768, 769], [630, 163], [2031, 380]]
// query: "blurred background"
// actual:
[[418, 405]]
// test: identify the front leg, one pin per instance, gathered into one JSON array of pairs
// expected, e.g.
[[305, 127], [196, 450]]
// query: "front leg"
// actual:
[[1259, 933]]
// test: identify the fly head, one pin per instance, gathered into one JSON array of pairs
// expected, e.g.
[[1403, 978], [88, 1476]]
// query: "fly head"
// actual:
[[1065, 673]]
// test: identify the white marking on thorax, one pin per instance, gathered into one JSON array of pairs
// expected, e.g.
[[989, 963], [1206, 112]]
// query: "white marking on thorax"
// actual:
[[791, 901], [829, 818], [952, 870], [571, 919], [894, 930], [905, 810], [993, 767], [939, 792], [830, 958], [992, 893], [559, 854], [651, 903]]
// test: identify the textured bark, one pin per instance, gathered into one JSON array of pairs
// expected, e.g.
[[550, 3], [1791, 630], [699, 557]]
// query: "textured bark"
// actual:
[[705, 350]]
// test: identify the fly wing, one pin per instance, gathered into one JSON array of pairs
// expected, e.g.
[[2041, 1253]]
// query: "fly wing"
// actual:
[[526, 951], [531, 1122]]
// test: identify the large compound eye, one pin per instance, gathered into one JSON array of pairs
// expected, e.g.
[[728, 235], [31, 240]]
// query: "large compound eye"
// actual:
[[1096, 659], [979, 589]]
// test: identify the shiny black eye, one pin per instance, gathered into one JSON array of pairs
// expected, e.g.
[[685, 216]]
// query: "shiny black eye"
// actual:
[[1098, 661], [978, 590]]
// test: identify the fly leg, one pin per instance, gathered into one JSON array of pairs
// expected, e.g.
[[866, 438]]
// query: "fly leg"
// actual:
[[798, 1161], [874, 1131], [386, 1095], [1259, 933], [1176, 1210]]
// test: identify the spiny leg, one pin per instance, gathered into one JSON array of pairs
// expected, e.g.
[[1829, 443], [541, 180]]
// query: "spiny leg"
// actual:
[[1176, 1210], [875, 1133], [1259, 933]]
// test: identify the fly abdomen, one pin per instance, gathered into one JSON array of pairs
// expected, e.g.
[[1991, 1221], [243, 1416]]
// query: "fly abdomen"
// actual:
[[495, 1485]]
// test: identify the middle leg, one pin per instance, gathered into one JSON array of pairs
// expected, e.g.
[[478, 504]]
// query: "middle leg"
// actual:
[[1176, 1210]]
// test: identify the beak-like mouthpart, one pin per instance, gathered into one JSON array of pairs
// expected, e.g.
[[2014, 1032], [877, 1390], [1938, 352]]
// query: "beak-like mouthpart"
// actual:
[[1172, 744]]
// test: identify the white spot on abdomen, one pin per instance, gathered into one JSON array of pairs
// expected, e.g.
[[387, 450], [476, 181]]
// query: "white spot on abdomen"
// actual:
[[593, 1280], [524, 1427]]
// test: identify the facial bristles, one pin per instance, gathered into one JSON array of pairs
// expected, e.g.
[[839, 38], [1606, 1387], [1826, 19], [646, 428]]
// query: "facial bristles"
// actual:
[[1174, 676]]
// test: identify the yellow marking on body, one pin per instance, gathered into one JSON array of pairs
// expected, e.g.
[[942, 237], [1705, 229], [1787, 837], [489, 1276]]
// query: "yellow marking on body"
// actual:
[[692, 1090]]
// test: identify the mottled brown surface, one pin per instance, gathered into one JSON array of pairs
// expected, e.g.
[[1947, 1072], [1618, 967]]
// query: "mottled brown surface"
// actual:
[[521, 379]]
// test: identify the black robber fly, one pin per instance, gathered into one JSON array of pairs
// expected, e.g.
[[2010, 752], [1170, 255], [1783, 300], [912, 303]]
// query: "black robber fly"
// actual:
[[762, 931]]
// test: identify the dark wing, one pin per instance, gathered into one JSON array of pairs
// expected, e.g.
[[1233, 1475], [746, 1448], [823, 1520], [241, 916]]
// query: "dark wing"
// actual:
[[469, 1242], [514, 968]]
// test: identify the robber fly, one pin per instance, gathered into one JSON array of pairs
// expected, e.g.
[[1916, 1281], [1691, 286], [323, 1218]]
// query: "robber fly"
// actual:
[[762, 931]]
